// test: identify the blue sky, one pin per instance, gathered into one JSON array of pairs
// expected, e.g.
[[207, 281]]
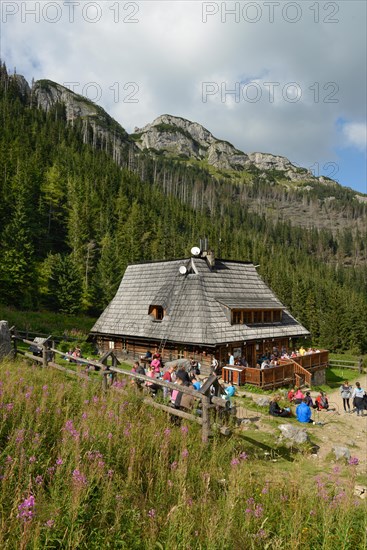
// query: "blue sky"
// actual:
[[287, 78]]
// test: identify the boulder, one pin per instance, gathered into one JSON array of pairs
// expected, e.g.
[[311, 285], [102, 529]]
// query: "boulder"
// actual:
[[341, 452], [5, 340], [294, 434], [262, 401]]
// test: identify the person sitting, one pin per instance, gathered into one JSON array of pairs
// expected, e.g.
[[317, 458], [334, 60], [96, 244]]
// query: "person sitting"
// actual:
[[308, 400], [322, 402], [156, 363], [303, 413], [291, 395], [230, 390], [243, 362], [148, 354], [265, 364], [298, 397], [183, 375], [275, 410]]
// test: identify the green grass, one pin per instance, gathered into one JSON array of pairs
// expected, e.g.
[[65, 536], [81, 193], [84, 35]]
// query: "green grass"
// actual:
[[46, 322], [108, 471]]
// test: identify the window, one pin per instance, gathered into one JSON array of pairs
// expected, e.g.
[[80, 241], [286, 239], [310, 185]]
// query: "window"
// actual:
[[257, 317], [157, 312]]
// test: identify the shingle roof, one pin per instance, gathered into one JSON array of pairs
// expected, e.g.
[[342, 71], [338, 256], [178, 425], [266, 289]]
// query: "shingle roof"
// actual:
[[194, 313]]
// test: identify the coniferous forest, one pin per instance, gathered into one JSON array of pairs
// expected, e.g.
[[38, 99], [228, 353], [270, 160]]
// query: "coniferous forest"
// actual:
[[72, 219]]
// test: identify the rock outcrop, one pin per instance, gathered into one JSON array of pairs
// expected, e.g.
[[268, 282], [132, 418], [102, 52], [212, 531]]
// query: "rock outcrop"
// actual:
[[179, 137]]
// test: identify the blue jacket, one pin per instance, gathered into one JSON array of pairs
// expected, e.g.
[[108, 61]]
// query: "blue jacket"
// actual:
[[303, 413]]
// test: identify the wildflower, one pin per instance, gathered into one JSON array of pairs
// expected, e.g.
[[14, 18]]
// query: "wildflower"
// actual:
[[110, 473], [50, 470], [86, 401], [26, 509], [265, 490], [32, 459], [261, 534], [151, 513], [79, 478], [169, 483], [39, 480], [84, 415], [45, 387], [109, 435], [312, 513], [189, 502], [59, 461], [50, 523], [336, 469], [174, 465], [248, 511], [184, 429], [235, 462], [38, 410], [9, 406], [353, 461], [250, 501], [8, 459], [258, 512], [167, 432], [126, 432], [243, 456], [185, 453]]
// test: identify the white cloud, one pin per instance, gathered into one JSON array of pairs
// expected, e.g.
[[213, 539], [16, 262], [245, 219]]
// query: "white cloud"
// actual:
[[169, 52], [356, 135]]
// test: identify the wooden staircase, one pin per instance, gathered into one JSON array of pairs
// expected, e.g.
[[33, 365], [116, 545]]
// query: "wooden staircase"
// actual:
[[301, 373]]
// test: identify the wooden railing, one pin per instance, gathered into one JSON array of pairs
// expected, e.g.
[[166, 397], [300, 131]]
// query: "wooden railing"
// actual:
[[301, 372], [203, 397]]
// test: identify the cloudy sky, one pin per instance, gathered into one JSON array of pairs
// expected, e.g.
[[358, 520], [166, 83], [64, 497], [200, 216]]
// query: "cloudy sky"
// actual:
[[282, 77]]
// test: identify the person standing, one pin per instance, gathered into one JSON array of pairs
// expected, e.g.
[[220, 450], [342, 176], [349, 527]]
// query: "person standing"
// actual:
[[346, 393], [358, 398], [231, 359]]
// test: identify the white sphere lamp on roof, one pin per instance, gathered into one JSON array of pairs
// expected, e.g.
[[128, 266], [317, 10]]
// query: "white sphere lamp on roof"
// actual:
[[195, 251], [182, 270]]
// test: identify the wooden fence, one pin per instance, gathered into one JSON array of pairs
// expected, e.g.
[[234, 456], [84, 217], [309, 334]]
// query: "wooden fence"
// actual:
[[203, 397], [345, 364]]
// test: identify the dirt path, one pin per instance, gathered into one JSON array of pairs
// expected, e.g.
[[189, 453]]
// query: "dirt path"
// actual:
[[338, 427], [342, 428]]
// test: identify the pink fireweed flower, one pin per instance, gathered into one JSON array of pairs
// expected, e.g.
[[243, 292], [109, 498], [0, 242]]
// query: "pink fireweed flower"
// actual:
[[50, 523], [258, 512], [79, 478], [26, 509]]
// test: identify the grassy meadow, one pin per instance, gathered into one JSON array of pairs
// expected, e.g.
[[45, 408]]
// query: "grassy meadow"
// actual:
[[84, 469]]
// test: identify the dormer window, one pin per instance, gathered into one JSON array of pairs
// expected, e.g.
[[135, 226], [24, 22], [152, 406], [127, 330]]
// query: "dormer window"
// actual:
[[157, 312], [255, 317]]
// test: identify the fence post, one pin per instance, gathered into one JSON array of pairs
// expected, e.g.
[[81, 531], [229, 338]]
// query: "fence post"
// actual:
[[205, 404], [44, 355], [104, 381]]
